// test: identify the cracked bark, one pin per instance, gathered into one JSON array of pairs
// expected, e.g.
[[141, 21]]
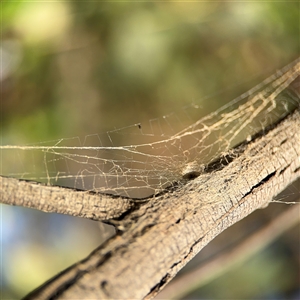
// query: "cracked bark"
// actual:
[[158, 236], [55, 199]]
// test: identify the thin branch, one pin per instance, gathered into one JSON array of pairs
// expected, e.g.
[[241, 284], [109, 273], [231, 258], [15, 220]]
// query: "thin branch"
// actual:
[[54, 199]]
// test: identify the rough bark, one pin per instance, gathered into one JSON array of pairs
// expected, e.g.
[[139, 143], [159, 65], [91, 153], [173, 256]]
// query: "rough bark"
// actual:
[[158, 237], [232, 256], [55, 199]]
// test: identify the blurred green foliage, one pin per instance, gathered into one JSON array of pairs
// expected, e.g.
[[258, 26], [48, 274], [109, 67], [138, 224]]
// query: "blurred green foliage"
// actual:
[[120, 63]]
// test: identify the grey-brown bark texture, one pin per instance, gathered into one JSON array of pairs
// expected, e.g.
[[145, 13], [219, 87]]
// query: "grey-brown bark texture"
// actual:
[[158, 236], [62, 200]]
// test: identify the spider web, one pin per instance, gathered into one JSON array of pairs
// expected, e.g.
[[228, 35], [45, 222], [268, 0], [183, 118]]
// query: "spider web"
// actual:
[[140, 170]]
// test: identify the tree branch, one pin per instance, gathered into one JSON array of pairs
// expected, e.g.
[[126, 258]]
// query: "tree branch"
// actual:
[[239, 253], [159, 237], [54, 199]]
